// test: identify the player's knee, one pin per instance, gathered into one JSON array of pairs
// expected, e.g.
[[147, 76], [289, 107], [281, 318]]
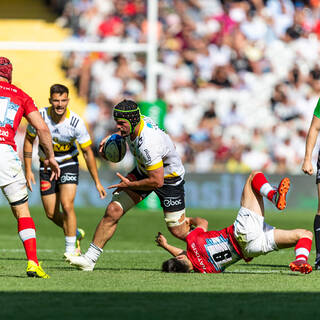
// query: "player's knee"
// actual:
[[302, 233], [67, 207], [253, 173], [176, 223], [113, 212], [306, 234], [50, 215]]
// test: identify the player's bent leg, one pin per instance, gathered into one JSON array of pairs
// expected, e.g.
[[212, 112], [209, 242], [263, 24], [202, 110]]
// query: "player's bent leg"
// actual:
[[51, 205], [250, 199], [302, 240], [177, 224], [120, 204]]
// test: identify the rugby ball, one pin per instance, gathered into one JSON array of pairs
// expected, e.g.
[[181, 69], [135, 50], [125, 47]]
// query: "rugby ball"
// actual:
[[114, 148]]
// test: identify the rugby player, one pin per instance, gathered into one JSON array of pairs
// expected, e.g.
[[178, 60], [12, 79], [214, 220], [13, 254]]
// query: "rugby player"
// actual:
[[66, 127], [308, 169], [248, 237], [159, 169], [14, 103]]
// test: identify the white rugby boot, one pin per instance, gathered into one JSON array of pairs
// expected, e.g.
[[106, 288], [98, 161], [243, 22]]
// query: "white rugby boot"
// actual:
[[82, 263]]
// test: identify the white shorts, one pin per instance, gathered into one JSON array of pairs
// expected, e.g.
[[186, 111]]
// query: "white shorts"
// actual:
[[12, 179], [253, 234]]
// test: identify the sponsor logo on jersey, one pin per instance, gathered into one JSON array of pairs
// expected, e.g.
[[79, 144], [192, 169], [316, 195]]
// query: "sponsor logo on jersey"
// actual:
[[62, 147], [169, 202], [69, 177], [197, 254], [146, 151], [4, 133], [45, 185]]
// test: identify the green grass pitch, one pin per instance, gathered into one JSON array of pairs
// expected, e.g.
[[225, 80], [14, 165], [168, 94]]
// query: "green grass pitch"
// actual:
[[127, 283]]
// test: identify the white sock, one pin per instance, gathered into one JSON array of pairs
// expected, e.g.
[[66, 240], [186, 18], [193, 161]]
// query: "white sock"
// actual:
[[93, 252], [265, 189], [70, 244]]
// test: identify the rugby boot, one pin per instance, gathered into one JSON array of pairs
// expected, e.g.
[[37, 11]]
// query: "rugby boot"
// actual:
[[67, 255], [82, 263], [300, 265], [280, 199], [80, 235], [36, 271]]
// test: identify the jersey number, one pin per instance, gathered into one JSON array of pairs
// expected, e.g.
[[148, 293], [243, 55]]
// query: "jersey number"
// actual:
[[220, 256]]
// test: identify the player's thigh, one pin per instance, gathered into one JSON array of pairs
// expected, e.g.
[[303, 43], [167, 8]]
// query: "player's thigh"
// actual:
[[16, 191], [51, 204], [122, 202], [250, 199]]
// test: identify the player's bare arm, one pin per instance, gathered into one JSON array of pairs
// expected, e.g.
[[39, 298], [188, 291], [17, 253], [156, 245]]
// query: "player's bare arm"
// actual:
[[198, 223], [310, 143], [163, 243], [155, 180], [92, 167], [27, 156], [45, 140]]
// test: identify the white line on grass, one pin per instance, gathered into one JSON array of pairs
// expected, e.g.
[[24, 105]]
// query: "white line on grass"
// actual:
[[107, 251], [257, 271]]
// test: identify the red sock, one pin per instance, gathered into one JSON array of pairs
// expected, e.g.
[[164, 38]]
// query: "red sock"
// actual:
[[261, 185], [27, 233], [303, 248]]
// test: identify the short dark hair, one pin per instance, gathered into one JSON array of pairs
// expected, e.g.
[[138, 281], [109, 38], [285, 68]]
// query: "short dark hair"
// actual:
[[58, 88], [175, 265]]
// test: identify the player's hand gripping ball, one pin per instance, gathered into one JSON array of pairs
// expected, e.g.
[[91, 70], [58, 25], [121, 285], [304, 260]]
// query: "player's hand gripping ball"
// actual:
[[114, 148]]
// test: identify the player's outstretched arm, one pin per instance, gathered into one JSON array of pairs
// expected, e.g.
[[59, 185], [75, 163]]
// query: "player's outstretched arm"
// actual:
[[154, 180], [163, 243], [45, 140], [27, 156], [310, 143], [92, 167]]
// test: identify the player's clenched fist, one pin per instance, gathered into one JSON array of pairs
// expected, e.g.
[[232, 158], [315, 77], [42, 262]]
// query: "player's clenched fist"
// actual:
[[161, 240], [307, 167]]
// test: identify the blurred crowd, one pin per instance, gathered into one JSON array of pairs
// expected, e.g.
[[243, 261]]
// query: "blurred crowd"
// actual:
[[240, 79]]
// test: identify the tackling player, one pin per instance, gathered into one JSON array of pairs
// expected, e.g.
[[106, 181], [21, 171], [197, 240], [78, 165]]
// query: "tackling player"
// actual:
[[14, 103], [66, 127], [250, 236], [308, 169], [159, 169]]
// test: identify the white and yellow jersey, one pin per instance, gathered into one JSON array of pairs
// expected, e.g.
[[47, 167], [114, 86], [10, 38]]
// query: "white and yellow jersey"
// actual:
[[64, 135], [153, 148]]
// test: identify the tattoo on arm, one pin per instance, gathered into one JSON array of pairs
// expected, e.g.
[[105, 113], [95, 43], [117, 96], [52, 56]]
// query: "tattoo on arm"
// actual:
[[27, 154]]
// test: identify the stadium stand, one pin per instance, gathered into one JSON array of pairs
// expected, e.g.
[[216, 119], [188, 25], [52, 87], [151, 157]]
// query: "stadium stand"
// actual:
[[35, 71], [240, 78]]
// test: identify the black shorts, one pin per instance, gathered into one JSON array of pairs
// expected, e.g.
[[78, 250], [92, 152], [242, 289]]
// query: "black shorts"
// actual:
[[171, 196], [69, 175]]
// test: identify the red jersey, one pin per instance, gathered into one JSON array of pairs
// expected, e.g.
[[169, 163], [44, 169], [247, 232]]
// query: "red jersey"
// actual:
[[213, 251], [14, 103]]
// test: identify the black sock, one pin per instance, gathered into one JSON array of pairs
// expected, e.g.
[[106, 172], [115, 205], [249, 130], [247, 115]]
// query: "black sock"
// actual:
[[316, 228]]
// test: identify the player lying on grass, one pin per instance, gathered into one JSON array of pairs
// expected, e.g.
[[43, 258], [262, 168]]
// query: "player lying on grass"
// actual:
[[248, 237]]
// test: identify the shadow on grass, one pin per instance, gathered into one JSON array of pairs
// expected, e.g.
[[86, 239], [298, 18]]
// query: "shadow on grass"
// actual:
[[157, 305]]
